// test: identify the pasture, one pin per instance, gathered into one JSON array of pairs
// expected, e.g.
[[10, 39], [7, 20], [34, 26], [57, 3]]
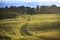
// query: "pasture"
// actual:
[[32, 27]]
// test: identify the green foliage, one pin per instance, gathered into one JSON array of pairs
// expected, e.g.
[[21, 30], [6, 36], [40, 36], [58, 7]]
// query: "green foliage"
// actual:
[[37, 9], [53, 9], [8, 15]]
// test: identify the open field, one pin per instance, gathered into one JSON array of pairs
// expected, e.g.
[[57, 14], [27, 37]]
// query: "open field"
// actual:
[[32, 27]]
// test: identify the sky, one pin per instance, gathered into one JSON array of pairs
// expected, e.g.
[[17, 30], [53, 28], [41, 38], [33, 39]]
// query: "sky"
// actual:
[[30, 3]]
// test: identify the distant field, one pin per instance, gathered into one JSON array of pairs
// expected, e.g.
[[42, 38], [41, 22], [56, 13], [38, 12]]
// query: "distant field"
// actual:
[[32, 27]]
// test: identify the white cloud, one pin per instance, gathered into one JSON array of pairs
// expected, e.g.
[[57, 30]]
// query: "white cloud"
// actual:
[[40, 0], [33, 0]]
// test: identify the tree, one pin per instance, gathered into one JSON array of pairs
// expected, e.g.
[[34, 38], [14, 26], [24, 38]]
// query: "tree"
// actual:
[[21, 9], [44, 9], [30, 10], [6, 7], [12, 8], [59, 10], [37, 9], [54, 9]]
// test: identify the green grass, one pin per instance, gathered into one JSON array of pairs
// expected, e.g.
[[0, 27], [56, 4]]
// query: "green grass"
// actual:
[[40, 27]]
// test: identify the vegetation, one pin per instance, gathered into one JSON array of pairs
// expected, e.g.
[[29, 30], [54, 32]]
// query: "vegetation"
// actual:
[[40, 27], [13, 11], [26, 23]]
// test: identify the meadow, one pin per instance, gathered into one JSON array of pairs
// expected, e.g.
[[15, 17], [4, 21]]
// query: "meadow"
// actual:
[[32, 27]]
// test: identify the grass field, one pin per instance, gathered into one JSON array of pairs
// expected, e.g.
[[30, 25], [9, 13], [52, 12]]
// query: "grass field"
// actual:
[[32, 27]]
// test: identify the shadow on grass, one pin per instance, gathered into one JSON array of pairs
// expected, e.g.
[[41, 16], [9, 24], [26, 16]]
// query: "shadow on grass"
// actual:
[[30, 39], [41, 27], [45, 26], [49, 38], [24, 30], [6, 28], [5, 38]]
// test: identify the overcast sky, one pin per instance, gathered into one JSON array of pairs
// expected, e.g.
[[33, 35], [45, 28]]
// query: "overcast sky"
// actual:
[[31, 3]]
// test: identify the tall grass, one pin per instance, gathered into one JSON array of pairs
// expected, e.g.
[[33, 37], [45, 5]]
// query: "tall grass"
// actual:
[[45, 26]]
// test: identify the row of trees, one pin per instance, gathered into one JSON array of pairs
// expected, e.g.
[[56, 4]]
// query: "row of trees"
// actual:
[[28, 10]]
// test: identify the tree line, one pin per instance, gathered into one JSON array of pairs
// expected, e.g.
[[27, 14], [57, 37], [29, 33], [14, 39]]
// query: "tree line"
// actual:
[[28, 10], [12, 11]]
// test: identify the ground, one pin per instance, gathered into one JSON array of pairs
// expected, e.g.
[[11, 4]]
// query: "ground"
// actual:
[[32, 27]]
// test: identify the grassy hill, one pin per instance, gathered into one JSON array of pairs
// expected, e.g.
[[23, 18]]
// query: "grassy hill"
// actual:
[[32, 27]]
